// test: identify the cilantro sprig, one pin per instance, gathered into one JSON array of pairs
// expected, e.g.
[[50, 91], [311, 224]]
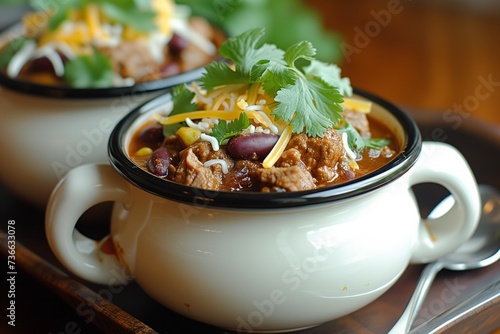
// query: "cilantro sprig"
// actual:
[[10, 50], [89, 71], [244, 51], [138, 14], [225, 130], [358, 143], [182, 100], [307, 97]]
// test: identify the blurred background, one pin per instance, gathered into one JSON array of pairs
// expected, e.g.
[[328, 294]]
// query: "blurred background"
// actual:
[[439, 59], [428, 55]]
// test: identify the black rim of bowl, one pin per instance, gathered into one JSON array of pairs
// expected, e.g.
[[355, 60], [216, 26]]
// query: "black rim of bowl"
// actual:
[[32, 88], [244, 200], [59, 91]]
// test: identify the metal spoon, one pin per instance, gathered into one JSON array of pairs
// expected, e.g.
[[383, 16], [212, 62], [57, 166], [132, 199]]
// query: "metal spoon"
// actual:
[[481, 250]]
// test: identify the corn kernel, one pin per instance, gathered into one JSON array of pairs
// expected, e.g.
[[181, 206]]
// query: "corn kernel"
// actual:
[[144, 152], [188, 135]]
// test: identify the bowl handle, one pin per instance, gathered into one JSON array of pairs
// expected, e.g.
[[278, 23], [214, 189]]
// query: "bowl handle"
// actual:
[[442, 233], [80, 189]]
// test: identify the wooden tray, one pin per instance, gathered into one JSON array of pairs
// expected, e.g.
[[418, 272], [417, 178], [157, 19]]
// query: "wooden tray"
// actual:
[[50, 301]]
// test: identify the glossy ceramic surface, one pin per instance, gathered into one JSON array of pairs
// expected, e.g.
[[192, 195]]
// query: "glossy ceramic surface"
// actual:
[[42, 138], [263, 269], [47, 130]]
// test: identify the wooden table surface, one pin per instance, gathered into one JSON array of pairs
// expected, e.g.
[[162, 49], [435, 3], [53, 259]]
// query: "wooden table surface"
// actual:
[[422, 54]]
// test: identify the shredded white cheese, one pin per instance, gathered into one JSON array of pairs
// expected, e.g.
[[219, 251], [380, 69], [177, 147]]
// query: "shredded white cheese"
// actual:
[[202, 126], [372, 153], [212, 140], [210, 120], [222, 162], [118, 80], [272, 127], [49, 51], [66, 50], [348, 150], [20, 58], [255, 107], [242, 104], [155, 45], [181, 27], [200, 94], [232, 101]]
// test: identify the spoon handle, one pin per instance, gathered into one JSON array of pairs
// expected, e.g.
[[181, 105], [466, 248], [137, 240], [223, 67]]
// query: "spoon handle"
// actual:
[[485, 302], [424, 283]]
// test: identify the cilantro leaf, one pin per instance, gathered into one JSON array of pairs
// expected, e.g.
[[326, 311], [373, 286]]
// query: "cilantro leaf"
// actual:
[[307, 97], [354, 139], [128, 13], [183, 100], [303, 50], [273, 76], [219, 73], [10, 50], [376, 143], [309, 105], [89, 71], [330, 73], [358, 143], [225, 130], [59, 10], [244, 51]]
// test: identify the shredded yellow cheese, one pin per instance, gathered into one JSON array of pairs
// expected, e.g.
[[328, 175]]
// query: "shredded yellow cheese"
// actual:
[[226, 115], [356, 104], [242, 104], [278, 149], [90, 24], [164, 14], [221, 114], [254, 102], [91, 12], [252, 93], [218, 101], [353, 164]]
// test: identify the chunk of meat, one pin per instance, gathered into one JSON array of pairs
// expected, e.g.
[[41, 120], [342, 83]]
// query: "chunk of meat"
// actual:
[[243, 177], [318, 155], [291, 178], [191, 172], [133, 60], [359, 121]]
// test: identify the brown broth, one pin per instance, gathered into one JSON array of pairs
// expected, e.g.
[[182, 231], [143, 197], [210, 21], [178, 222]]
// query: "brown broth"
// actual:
[[366, 165]]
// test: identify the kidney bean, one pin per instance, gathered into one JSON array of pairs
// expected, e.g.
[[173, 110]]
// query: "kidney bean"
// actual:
[[43, 64], [176, 45], [170, 69], [239, 179], [152, 135], [255, 146], [159, 161]]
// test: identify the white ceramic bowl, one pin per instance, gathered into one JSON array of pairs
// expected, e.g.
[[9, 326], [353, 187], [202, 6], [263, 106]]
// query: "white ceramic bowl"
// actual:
[[47, 130], [262, 262]]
